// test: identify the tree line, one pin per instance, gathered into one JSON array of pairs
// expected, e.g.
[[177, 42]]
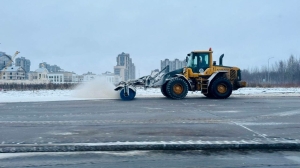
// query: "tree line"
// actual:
[[284, 73]]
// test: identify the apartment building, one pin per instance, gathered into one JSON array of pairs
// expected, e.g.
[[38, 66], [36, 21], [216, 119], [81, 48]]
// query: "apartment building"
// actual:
[[173, 65], [125, 68], [24, 63], [5, 60], [50, 68], [12, 73]]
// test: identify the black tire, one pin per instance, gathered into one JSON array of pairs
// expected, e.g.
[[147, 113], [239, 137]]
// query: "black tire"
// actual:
[[163, 90], [221, 88], [209, 95], [177, 88]]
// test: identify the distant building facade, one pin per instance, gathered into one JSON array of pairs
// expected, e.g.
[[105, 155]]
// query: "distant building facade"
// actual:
[[89, 76], [62, 77], [77, 78], [111, 77], [5, 60], [39, 76], [108, 76], [56, 78], [42, 75], [9, 71], [173, 65], [25, 64], [57, 75], [50, 68], [12, 73], [125, 68]]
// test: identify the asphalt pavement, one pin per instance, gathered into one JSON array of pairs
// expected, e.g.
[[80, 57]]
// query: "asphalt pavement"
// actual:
[[239, 122]]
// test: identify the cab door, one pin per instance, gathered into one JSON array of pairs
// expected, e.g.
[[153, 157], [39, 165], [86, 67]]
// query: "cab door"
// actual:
[[202, 62]]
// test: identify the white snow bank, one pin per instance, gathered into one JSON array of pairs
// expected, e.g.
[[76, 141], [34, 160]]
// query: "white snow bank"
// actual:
[[268, 91], [95, 90]]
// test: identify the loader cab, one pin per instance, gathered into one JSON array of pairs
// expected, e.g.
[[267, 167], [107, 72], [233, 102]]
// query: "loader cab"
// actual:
[[198, 61]]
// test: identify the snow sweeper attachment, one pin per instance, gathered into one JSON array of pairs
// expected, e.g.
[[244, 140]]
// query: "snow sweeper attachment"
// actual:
[[127, 89]]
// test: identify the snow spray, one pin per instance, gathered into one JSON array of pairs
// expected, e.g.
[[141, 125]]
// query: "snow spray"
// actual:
[[97, 88]]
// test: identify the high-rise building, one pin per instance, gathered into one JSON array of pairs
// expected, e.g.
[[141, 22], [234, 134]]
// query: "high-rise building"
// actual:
[[50, 68], [5, 60], [25, 64], [173, 65], [125, 68]]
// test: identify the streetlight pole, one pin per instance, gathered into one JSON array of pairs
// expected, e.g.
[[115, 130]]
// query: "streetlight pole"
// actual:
[[269, 70]]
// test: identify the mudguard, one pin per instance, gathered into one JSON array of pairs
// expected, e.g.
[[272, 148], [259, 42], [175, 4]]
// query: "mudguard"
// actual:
[[214, 75], [184, 78]]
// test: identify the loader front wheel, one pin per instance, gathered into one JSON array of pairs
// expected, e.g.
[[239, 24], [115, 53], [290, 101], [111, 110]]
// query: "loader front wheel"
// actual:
[[131, 95], [221, 88], [177, 88], [163, 90]]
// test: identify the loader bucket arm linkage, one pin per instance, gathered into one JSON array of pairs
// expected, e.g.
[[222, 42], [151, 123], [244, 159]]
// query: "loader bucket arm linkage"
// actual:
[[127, 89]]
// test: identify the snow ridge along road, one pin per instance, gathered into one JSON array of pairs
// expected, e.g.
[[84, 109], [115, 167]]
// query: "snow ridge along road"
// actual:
[[278, 144]]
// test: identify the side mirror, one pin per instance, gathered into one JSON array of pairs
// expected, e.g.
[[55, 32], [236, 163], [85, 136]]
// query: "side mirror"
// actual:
[[186, 59], [214, 63]]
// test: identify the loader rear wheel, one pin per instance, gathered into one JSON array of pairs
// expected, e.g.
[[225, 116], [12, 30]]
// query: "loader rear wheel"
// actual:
[[221, 88], [177, 88], [163, 90], [131, 95]]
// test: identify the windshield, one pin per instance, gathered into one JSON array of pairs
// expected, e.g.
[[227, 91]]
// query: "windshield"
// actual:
[[198, 60], [192, 61]]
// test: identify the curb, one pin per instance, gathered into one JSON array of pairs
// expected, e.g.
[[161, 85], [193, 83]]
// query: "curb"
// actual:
[[127, 146]]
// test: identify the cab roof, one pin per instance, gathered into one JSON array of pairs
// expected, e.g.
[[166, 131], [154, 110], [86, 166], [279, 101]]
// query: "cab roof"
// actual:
[[202, 51]]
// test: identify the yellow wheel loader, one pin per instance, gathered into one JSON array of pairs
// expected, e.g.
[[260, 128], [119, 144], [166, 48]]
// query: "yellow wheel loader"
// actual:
[[200, 74]]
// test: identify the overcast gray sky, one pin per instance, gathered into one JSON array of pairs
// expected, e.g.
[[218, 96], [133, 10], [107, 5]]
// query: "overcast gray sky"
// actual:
[[87, 35]]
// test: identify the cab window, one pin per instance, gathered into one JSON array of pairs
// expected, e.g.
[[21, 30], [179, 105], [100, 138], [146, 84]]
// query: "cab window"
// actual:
[[203, 60]]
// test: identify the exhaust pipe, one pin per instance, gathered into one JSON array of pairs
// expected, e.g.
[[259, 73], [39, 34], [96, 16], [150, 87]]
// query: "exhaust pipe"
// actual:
[[221, 60]]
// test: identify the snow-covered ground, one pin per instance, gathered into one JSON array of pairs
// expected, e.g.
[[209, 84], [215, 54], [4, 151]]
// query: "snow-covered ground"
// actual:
[[59, 95]]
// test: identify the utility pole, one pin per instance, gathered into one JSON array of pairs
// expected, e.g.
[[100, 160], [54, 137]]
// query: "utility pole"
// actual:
[[269, 70]]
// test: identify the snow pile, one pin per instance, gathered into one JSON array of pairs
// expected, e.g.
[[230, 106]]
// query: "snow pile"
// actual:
[[267, 91], [99, 89], [34, 96]]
